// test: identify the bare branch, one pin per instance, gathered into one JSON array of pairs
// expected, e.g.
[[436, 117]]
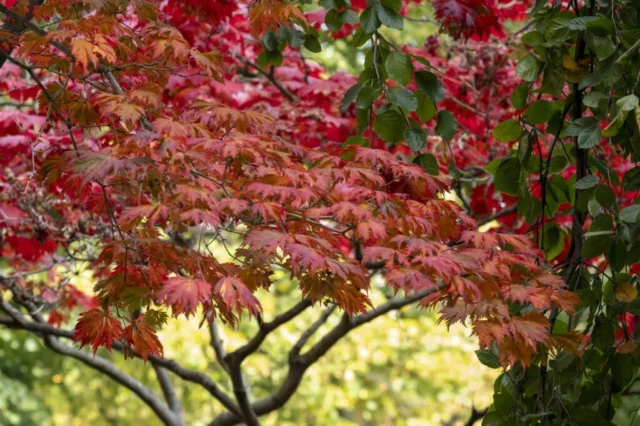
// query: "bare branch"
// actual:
[[299, 364], [498, 215], [216, 344], [269, 76], [169, 391], [311, 330], [252, 345], [171, 365], [103, 366]]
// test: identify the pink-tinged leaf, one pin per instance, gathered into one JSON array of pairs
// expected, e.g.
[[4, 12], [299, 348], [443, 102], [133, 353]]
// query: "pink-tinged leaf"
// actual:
[[237, 296], [184, 294]]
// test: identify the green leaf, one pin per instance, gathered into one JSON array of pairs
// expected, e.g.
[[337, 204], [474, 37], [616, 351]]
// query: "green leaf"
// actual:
[[368, 96], [429, 163], [630, 214], [429, 84], [356, 140], [520, 95], [508, 131], [269, 40], [533, 38], [586, 130], [313, 44], [593, 99], [623, 370], [553, 240], [389, 17], [349, 17], [605, 196], [333, 21], [416, 139], [493, 418], [631, 180], [507, 178], [596, 246], [587, 182], [539, 112], [601, 26], [447, 125], [589, 137], [488, 358], [404, 98], [603, 335], [369, 21], [426, 108], [603, 46], [627, 103], [390, 126], [399, 67], [529, 68]]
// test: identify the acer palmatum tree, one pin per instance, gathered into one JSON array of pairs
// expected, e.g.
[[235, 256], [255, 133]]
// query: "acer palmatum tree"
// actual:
[[138, 134]]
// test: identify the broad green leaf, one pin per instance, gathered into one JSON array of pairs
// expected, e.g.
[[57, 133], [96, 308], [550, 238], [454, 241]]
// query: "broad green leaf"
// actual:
[[389, 17], [399, 67], [390, 126], [587, 182], [627, 103], [508, 131], [631, 180], [539, 112], [369, 21], [488, 358], [447, 125], [520, 95], [368, 96], [404, 98], [313, 44], [429, 163], [507, 178], [429, 84], [593, 99], [416, 139], [605, 196], [529, 68], [631, 214], [426, 108]]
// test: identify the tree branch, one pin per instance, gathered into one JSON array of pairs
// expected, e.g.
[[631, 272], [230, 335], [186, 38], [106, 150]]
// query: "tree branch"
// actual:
[[103, 366], [498, 215], [169, 391], [299, 364], [252, 345], [171, 365]]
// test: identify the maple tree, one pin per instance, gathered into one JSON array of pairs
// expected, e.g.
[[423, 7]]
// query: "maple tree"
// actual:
[[139, 134]]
